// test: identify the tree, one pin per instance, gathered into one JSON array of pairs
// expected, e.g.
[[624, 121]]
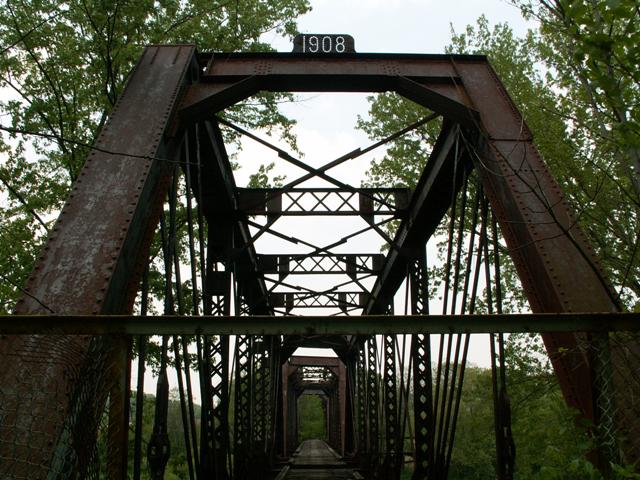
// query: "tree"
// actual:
[[177, 466], [311, 417], [592, 47], [63, 66], [405, 158], [590, 51], [549, 444]]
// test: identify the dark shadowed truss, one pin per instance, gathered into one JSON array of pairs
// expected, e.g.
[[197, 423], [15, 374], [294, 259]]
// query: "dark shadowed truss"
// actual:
[[156, 224]]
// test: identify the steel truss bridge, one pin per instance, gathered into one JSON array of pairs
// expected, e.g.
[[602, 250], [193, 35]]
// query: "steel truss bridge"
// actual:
[[154, 265]]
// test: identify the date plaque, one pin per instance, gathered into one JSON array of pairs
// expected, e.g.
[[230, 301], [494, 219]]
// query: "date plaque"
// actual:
[[323, 43]]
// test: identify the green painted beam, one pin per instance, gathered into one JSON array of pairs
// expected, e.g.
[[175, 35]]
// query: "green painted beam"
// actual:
[[317, 325]]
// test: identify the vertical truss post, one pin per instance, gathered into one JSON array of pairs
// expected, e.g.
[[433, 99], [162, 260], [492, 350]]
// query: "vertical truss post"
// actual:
[[215, 443], [361, 392], [207, 422], [214, 428], [423, 417], [332, 419], [349, 420], [341, 386], [215, 380], [505, 448], [337, 417], [119, 407], [257, 392], [372, 405], [325, 410], [390, 395], [221, 411], [261, 408], [292, 414], [275, 402], [278, 421], [242, 400], [284, 421]]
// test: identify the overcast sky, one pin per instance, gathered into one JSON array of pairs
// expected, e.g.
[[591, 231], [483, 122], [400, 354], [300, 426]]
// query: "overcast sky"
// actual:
[[401, 26]]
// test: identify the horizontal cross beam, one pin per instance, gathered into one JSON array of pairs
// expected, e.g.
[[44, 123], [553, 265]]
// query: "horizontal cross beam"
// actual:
[[356, 72], [320, 264], [291, 300], [317, 325], [432, 80], [322, 201], [311, 361]]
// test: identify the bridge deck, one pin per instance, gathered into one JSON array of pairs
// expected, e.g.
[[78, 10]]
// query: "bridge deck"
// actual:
[[315, 460]]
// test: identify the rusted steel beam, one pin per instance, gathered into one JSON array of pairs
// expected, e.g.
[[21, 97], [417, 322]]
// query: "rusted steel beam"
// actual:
[[437, 68], [229, 78], [204, 100], [309, 361], [98, 240], [557, 267], [91, 264], [317, 325], [201, 101]]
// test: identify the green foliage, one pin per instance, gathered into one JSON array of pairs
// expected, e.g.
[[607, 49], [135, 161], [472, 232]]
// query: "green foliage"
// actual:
[[590, 52], [405, 158], [474, 450], [629, 471], [177, 465], [311, 418], [549, 443], [261, 179], [62, 68]]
